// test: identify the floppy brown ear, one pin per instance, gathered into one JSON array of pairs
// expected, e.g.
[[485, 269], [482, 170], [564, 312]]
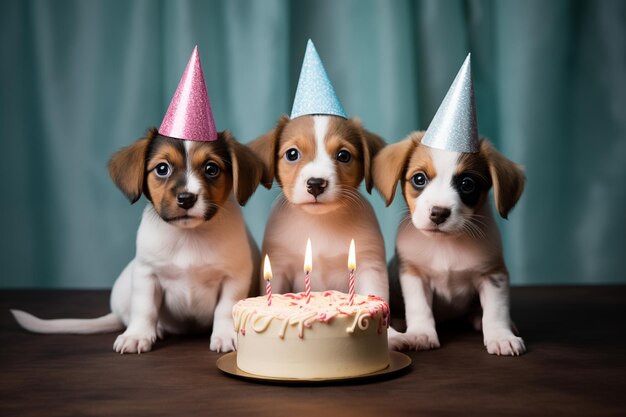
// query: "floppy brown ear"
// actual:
[[264, 147], [507, 177], [127, 166], [390, 163], [371, 144], [247, 168]]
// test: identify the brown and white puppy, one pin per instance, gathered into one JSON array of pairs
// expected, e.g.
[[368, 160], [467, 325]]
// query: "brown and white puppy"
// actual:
[[194, 258], [450, 253], [319, 161]]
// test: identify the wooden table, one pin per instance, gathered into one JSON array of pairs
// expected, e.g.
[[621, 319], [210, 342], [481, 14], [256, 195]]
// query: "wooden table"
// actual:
[[576, 366]]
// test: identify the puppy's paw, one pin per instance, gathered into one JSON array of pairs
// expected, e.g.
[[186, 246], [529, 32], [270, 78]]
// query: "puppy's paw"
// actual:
[[223, 341], [395, 339], [134, 343], [504, 343], [413, 340]]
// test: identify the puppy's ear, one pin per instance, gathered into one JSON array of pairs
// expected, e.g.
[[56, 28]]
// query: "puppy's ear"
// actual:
[[507, 177], [265, 148], [371, 144], [390, 163], [127, 166], [247, 168]]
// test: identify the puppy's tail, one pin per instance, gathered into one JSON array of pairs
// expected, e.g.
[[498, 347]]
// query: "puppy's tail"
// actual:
[[105, 324]]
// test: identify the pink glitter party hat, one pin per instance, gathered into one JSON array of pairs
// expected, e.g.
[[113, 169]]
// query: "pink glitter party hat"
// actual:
[[189, 115]]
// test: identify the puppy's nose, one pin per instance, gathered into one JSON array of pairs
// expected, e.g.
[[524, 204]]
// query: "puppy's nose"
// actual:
[[316, 186], [186, 200], [439, 215]]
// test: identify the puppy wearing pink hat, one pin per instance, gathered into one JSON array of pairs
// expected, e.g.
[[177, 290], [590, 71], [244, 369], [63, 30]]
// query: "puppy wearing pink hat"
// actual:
[[195, 257]]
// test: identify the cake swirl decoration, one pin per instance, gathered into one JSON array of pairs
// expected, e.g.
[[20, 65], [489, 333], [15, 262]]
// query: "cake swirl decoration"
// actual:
[[322, 307]]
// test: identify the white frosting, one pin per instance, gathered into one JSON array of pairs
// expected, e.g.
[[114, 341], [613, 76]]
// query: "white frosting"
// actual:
[[326, 338]]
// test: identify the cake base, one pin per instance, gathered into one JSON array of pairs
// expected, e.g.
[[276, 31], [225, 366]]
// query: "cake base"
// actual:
[[397, 362], [323, 336]]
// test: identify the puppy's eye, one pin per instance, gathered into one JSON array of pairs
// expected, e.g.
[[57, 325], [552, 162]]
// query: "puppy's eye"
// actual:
[[292, 155], [163, 170], [344, 156], [419, 180], [468, 185], [211, 170]]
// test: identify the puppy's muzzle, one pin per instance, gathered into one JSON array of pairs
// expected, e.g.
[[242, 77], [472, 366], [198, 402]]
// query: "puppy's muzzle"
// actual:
[[186, 200], [439, 215], [316, 186]]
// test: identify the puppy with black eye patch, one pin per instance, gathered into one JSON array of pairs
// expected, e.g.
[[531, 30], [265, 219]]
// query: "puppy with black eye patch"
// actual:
[[448, 250], [195, 258]]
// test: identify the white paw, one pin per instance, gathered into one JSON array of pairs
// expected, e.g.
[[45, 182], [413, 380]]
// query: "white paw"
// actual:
[[504, 343], [223, 340], [413, 340], [134, 343]]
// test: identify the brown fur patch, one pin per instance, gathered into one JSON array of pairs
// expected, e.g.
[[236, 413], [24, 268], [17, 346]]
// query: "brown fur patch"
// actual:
[[247, 169], [507, 177], [496, 271], [300, 134], [202, 152], [166, 152], [265, 147], [127, 166], [372, 144], [421, 160], [474, 163], [390, 165], [344, 135], [477, 166]]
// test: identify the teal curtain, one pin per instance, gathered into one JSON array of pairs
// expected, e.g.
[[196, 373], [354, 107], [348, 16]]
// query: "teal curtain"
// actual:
[[80, 79]]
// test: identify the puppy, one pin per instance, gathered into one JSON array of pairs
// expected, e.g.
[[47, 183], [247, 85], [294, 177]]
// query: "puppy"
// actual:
[[194, 258], [319, 161], [451, 253]]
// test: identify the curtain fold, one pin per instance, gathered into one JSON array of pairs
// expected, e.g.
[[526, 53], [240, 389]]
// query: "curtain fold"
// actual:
[[81, 79]]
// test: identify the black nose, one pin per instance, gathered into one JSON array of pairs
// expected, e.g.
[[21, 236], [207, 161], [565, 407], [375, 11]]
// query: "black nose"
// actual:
[[316, 186], [439, 214], [186, 200]]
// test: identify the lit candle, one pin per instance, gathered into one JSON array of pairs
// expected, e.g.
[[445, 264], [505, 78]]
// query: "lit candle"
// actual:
[[267, 276], [351, 268], [308, 265]]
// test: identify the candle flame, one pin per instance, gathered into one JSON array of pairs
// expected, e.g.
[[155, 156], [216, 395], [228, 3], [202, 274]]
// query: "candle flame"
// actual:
[[308, 261], [267, 269], [351, 257]]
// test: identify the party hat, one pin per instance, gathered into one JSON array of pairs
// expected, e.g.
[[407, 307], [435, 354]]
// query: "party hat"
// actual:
[[454, 127], [315, 94], [189, 115]]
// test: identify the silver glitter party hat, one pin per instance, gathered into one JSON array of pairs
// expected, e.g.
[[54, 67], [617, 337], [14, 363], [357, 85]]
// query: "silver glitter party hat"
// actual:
[[454, 127]]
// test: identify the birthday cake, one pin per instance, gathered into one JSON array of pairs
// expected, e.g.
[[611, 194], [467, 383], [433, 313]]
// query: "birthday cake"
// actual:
[[325, 338]]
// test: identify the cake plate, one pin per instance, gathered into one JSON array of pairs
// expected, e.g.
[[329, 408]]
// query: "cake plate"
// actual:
[[397, 362]]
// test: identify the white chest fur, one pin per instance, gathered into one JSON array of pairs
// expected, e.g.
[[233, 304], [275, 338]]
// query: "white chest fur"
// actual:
[[452, 265], [285, 240], [191, 264]]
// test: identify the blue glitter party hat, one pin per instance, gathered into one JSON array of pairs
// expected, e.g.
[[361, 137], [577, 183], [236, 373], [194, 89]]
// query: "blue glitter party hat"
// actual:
[[315, 94], [454, 127]]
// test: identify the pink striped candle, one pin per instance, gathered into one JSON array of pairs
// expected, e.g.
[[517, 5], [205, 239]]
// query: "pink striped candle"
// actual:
[[308, 265], [267, 276], [351, 268]]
